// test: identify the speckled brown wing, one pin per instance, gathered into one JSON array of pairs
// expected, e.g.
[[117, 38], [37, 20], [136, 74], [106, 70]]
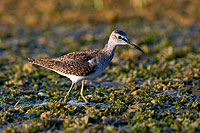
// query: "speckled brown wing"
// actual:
[[81, 56], [67, 67]]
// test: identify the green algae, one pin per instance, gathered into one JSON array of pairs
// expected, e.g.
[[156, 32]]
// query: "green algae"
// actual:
[[158, 91]]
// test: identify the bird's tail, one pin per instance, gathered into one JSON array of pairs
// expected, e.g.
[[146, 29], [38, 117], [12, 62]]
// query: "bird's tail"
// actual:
[[35, 61], [46, 63], [40, 62], [31, 60]]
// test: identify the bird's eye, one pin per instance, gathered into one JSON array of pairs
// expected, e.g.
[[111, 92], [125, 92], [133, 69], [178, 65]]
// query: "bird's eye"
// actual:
[[119, 37]]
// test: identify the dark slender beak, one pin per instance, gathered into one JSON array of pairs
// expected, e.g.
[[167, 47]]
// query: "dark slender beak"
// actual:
[[133, 45]]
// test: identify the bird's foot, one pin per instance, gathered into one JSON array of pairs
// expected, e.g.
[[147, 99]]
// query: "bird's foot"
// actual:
[[85, 99], [66, 99]]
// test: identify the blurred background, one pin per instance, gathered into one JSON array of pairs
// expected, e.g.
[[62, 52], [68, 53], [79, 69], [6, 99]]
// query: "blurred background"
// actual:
[[71, 25], [37, 13]]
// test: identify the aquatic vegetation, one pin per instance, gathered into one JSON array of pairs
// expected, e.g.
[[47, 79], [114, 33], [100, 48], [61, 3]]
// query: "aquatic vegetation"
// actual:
[[155, 92]]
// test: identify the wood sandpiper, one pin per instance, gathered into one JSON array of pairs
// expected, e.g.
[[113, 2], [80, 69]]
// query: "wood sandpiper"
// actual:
[[86, 64]]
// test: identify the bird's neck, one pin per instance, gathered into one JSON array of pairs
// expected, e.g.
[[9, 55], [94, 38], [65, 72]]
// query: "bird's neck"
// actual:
[[109, 49], [105, 56]]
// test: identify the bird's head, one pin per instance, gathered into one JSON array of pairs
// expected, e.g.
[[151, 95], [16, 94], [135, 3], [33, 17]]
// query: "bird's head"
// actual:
[[119, 37]]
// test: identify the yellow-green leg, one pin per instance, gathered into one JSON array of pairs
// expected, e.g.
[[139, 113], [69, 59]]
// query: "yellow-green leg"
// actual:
[[68, 93], [82, 92]]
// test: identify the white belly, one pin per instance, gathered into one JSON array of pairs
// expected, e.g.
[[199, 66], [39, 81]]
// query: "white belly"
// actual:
[[76, 79]]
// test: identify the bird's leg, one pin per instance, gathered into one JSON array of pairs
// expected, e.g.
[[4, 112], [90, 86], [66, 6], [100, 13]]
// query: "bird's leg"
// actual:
[[82, 92], [68, 93]]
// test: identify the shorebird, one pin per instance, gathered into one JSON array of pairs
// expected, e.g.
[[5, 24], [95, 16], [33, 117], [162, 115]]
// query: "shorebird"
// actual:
[[86, 64]]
